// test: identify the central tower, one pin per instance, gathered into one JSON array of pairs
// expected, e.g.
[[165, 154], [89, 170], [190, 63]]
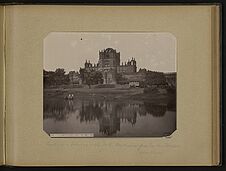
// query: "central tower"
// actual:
[[109, 58]]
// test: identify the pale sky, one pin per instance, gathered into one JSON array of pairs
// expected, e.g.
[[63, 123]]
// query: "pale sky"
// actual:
[[70, 50]]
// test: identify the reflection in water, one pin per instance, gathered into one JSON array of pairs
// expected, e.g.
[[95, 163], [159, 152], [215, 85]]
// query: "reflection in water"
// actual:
[[107, 115], [58, 109], [155, 110]]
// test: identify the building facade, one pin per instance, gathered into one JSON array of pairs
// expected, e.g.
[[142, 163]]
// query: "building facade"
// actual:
[[109, 65]]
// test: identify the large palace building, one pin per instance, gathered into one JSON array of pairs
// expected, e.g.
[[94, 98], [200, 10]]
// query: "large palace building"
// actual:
[[109, 65]]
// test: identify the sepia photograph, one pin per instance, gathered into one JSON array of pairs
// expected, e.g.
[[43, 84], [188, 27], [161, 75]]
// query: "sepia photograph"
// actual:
[[103, 84]]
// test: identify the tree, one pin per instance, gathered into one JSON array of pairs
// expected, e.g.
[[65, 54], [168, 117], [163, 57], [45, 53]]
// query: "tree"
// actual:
[[97, 77], [155, 78], [120, 79], [55, 78], [60, 77], [92, 77], [82, 74], [48, 78]]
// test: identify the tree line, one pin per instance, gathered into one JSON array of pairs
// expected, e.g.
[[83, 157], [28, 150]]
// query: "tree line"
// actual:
[[59, 77], [54, 78], [92, 77]]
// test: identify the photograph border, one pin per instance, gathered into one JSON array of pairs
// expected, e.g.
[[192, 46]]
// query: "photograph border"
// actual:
[[90, 134]]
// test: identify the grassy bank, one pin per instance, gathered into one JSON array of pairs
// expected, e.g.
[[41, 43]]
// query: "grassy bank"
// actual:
[[86, 93], [110, 94]]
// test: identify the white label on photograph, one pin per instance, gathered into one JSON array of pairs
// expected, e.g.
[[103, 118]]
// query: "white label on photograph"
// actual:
[[85, 135]]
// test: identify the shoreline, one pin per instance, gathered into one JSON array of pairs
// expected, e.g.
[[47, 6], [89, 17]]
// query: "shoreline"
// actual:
[[114, 94]]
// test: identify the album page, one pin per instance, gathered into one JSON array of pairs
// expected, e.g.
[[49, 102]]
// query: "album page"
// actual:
[[110, 85]]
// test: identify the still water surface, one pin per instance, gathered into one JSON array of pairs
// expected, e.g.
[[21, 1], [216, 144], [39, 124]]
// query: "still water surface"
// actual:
[[109, 118]]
